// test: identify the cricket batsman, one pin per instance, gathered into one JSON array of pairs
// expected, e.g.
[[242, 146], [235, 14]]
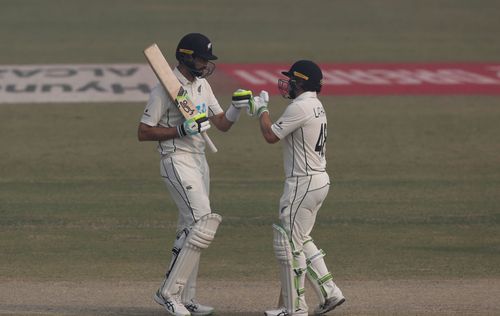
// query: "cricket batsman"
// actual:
[[184, 168], [302, 128]]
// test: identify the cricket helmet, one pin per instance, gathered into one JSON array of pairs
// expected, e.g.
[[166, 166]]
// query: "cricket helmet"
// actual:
[[304, 75], [307, 73], [195, 45]]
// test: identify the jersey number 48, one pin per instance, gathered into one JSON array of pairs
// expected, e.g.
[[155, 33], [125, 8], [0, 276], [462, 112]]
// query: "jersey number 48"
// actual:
[[321, 143]]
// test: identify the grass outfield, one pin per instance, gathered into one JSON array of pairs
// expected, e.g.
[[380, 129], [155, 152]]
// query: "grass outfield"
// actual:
[[113, 31], [416, 179], [415, 193]]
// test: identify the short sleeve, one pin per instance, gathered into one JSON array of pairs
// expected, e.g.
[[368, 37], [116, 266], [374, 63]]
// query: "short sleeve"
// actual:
[[214, 107], [290, 120], [154, 108]]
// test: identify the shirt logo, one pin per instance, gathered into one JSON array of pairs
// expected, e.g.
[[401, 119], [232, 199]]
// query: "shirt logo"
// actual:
[[278, 125], [201, 108], [319, 111]]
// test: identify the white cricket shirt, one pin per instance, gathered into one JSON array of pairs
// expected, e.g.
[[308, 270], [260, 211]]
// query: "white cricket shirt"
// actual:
[[302, 129], [162, 111]]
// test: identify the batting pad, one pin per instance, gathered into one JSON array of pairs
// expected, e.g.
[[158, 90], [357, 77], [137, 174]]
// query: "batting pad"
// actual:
[[283, 252], [317, 273], [200, 237]]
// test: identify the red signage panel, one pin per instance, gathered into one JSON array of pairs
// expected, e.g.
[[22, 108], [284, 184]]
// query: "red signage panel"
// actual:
[[381, 79]]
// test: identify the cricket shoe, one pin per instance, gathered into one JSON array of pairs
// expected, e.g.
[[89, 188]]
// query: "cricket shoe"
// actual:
[[197, 309], [284, 312], [330, 303], [172, 305]]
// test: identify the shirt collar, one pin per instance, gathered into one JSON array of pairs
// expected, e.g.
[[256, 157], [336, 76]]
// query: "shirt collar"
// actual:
[[306, 95], [184, 81]]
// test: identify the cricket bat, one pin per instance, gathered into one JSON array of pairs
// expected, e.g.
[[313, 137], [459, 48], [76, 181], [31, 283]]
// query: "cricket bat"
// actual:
[[173, 87]]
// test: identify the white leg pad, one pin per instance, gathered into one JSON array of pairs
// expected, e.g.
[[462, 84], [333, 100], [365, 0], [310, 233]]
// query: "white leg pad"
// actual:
[[317, 273], [292, 278], [200, 237], [180, 239], [189, 291]]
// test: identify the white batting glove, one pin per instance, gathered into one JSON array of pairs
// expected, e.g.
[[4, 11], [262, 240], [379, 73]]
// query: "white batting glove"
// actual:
[[194, 125], [241, 99], [259, 104]]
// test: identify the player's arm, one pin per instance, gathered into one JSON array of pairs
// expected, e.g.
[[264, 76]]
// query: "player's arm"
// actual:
[[221, 122], [241, 99], [149, 128], [156, 133], [259, 108], [193, 126], [265, 128]]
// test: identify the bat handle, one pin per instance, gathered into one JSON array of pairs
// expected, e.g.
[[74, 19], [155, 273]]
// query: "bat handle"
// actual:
[[209, 142]]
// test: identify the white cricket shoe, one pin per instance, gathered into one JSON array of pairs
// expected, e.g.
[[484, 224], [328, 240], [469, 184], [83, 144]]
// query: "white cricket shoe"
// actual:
[[284, 312], [330, 303], [197, 309], [172, 305]]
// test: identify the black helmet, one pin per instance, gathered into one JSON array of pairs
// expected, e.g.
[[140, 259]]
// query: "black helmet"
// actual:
[[195, 45], [308, 72]]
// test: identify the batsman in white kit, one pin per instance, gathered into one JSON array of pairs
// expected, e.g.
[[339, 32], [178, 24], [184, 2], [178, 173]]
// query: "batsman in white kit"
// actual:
[[303, 131], [183, 165]]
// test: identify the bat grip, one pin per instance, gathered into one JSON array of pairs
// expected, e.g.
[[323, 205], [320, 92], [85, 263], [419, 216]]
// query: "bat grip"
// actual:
[[209, 142]]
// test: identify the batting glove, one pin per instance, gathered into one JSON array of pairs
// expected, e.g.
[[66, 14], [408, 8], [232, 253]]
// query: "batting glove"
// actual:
[[195, 125], [241, 99], [259, 104]]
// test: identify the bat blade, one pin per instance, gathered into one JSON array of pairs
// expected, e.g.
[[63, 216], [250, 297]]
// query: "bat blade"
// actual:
[[174, 89]]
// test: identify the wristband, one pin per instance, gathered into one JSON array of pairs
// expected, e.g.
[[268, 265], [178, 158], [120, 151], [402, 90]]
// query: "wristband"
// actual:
[[180, 131], [262, 110], [233, 114]]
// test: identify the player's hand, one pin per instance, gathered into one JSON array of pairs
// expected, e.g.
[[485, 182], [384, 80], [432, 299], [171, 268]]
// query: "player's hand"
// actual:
[[259, 104], [241, 98], [194, 125]]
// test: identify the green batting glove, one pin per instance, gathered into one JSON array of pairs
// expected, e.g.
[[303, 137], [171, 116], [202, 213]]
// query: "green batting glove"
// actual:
[[241, 98], [260, 104], [193, 126]]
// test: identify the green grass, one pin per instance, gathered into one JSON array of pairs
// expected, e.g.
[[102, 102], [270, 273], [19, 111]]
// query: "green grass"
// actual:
[[415, 179], [414, 194], [58, 31]]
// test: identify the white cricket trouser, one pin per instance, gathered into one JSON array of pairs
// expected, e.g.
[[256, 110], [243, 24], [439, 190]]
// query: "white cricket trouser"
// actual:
[[301, 200], [187, 178], [299, 205]]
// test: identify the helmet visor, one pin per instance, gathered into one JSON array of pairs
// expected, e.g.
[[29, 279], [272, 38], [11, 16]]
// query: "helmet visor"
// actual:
[[284, 88]]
